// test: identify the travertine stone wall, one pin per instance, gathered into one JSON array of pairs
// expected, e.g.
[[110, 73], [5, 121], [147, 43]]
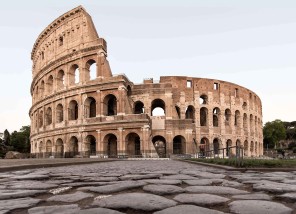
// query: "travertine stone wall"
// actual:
[[80, 108]]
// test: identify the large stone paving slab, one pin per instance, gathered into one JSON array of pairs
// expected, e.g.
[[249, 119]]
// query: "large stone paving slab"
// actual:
[[70, 198], [253, 196], [12, 204], [99, 211], [289, 196], [37, 185], [188, 209], [179, 177], [139, 177], [163, 181], [215, 190], [256, 206], [120, 186], [201, 199], [136, 201], [11, 193], [274, 187], [60, 209], [199, 182], [163, 189]]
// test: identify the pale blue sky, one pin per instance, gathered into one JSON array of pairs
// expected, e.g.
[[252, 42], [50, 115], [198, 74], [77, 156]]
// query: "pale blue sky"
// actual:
[[251, 43]]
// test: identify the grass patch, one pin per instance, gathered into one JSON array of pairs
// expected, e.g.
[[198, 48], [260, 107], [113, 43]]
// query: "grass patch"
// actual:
[[251, 163]]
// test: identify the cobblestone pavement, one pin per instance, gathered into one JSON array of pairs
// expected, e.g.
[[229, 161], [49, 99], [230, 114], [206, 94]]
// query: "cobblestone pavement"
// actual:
[[159, 187]]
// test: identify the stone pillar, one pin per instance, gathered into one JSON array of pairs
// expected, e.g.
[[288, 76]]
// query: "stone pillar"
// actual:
[[169, 143], [122, 95], [120, 142], [99, 109]]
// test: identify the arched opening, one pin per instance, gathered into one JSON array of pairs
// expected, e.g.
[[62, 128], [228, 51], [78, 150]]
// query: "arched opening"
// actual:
[[133, 144], [203, 116], [48, 116], [129, 90], [110, 105], [59, 113], [110, 144], [190, 111], [92, 144], [37, 92], [91, 66], [61, 79], [179, 145], [59, 148], [237, 118], [50, 84], [216, 114], [178, 112], [228, 145], [251, 125], [204, 146], [216, 146], [256, 148], [139, 108], [41, 89], [48, 148], [74, 74], [40, 148], [159, 143], [246, 146], [90, 107], [252, 147], [40, 118], [73, 110], [158, 107], [245, 105], [227, 117], [245, 122], [203, 99], [61, 40], [73, 147]]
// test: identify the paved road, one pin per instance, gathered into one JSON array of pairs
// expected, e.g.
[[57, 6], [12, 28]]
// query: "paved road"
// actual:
[[160, 187]]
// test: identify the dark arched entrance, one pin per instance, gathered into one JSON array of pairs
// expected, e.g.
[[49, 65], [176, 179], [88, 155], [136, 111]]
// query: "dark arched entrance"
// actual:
[[159, 143]]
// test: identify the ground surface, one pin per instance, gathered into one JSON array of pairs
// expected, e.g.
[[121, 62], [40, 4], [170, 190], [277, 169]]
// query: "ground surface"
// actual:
[[158, 187]]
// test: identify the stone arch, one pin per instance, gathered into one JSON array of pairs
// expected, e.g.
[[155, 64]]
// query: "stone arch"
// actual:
[[91, 67], [73, 147], [256, 148], [178, 111], [204, 146], [203, 99], [228, 145], [245, 122], [49, 84], [110, 105], [133, 144], [129, 90], [203, 116], [73, 110], [59, 148], [48, 148], [246, 148], [48, 116], [252, 148], [158, 107], [139, 108], [110, 145], [90, 107], [237, 118], [216, 116], [190, 113], [245, 106], [61, 79], [227, 117], [74, 75], [59, 113], [40, 147], [251, 124], [91, 145], [179, 145], [159, 143], [42, 89], [216, 146]]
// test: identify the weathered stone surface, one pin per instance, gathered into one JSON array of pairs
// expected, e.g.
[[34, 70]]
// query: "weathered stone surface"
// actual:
[[253, 196], [120, 186], [163, 189], [163, 181], [13, 155], [231, 184], [101, 179], [199, 182], [12, 204], [257, 206], [74, 197], [12, 193], [31, 177], [61, 209], [99, 211], [179, 177], [275, 187], [136, 201], [35, 185], [82, 184], [200, 199], [210, 175], [139, 177], [215, 190], [187, 209], [289, 196]]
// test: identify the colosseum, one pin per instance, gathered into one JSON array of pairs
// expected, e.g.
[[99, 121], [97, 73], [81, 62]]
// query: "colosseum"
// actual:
[[80, 109]]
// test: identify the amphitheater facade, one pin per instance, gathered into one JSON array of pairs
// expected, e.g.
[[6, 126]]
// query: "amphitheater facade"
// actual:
[[80, 109]]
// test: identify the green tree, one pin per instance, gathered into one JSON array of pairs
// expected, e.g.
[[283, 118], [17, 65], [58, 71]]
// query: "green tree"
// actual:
[[273, 132], [6, 137], [20, 141]]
